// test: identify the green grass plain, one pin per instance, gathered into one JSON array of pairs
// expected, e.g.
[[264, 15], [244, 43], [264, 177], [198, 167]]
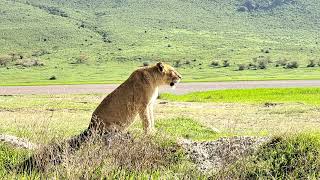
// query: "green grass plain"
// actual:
[[118, 36], [262, 95]]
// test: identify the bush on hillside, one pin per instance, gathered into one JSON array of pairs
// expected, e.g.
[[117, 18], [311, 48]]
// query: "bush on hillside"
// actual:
[[177, 63], [262, 64], [4, 60], [215, 63], [40, 52], [241, 67], [53, 77], [292, 65], [225, 63], [28, 63], [281, 62], [312, 63], [82, 59]]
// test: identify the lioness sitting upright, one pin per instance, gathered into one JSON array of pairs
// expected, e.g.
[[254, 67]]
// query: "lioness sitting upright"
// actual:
[[117, 111], [135, 96]]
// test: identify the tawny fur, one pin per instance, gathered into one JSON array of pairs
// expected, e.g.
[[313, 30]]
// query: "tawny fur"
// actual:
[[136, 96]]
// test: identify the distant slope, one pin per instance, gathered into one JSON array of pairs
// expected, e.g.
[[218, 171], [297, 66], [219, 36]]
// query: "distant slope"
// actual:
[[117, 35]]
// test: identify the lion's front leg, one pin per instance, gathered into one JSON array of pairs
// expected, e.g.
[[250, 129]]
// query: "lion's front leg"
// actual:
[[146, 119], [151, 114]]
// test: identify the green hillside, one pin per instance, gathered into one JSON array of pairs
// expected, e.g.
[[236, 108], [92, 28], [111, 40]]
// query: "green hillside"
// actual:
[[102, 41]]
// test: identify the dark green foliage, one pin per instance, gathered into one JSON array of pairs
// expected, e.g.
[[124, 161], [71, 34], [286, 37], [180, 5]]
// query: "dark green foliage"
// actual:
[[281, 62], [312, 63], [215, 63], [53, 77], [241, 67], [177, 63], [292, 65], [262, 64], [225, 63]]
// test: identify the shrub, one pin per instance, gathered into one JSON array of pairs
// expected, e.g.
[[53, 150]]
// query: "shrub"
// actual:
[[241, 67], [28, 63], [82, 59], [188, 62], [312, 63], [281, 62], [177, 63], [292, 65], [53, 77], [40, 52], [15, 56], [146, 63], [262, 64], [215, 63], [225, 63], [4, 60], [252, 66]]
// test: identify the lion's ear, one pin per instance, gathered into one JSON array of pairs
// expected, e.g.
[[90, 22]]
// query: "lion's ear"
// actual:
[[160, 66]]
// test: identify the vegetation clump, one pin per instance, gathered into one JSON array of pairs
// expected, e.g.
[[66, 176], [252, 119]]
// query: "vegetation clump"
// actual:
[[54, 10], [256, 5], [4, 60], [53, 77], [292, 157], [312, 63], [177, 63], [29, 63], [82, 59], [241, 67], [292, 65], [40, 52], [225, 63], [281, 63], [215, 63]]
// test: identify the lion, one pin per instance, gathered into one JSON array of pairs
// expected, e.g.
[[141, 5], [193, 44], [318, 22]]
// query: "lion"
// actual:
[[135, 96], [117, 111]]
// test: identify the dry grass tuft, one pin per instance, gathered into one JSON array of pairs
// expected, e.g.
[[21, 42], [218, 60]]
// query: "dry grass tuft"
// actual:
[[100, 156]]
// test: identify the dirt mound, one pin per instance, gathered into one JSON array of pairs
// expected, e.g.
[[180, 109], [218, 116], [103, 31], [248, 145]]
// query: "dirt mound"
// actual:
[[213, 155]]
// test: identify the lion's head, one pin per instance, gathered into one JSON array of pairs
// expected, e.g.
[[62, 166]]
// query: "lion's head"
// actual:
[[168, 74]]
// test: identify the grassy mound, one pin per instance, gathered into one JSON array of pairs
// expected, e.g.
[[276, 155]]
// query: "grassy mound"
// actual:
[[292, 157]]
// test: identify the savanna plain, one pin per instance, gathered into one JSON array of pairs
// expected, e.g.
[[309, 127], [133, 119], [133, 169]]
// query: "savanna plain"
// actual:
[[290, 124], [254, 133]]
